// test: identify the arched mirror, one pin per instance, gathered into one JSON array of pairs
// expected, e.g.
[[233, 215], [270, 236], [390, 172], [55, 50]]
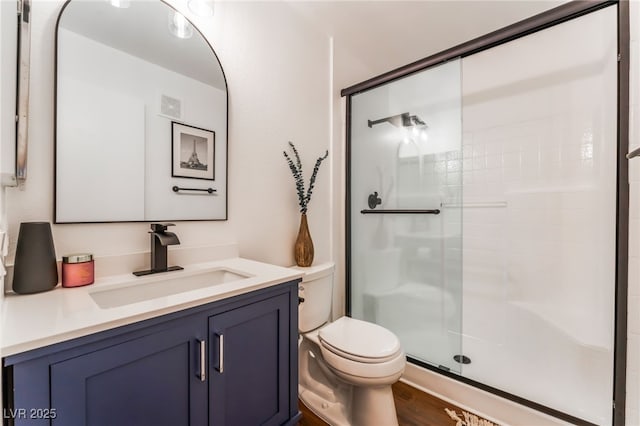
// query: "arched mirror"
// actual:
[[141, 116]]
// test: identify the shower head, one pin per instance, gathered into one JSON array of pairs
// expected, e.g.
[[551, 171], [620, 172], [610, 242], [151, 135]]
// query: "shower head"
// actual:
[[400, 120]]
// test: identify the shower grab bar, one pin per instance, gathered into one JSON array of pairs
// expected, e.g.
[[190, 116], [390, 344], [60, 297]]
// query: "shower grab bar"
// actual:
[[634, 153], [400, 211]]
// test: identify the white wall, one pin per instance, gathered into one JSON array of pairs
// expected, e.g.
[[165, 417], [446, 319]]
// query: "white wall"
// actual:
[[278, 77], [345, 70]]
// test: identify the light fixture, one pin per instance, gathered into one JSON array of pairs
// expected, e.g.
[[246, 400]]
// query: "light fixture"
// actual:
[[121, 4], [179, 26], [202, 8]]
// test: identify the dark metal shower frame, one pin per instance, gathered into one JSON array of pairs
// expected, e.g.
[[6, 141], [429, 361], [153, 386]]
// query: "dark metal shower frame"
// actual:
[[525, 27]]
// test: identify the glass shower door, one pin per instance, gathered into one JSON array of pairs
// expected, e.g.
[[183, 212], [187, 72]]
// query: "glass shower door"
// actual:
[[405, 218]]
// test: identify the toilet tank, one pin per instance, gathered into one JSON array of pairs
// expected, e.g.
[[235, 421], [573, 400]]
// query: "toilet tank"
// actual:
[[317, 290]]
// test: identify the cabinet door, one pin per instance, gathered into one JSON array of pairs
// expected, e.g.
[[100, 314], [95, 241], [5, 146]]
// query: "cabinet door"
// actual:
[[151, 380], [249, 380]]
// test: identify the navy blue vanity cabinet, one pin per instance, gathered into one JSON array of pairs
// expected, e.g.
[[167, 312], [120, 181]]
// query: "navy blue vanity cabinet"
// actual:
[[231, 362], [150, 380], [249, 379]]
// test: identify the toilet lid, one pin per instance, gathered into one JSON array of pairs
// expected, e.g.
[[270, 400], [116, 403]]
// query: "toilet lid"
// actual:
[[360, 338]]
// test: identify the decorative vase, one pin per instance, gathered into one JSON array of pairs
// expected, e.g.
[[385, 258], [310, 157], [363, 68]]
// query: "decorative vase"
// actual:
[[35, 268], [303, 250]]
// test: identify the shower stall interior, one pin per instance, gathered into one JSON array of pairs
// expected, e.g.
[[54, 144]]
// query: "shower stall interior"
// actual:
[[482, 215]]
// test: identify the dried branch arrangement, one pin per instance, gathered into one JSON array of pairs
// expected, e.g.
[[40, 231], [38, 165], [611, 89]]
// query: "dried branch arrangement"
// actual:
[[296, 170]]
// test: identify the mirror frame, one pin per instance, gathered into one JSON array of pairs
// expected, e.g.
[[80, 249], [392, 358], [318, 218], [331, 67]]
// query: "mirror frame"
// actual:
[[55, 131]]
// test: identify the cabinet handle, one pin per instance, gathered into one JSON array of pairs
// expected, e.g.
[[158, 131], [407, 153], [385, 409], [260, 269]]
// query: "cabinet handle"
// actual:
[[203, 360], [220, 367]]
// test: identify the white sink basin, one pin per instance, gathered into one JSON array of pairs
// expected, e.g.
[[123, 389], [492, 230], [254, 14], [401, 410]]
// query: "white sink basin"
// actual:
[[133, 292]]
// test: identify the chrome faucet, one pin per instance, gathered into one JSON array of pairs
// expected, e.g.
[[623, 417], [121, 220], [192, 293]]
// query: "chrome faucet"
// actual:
[[160, 240]]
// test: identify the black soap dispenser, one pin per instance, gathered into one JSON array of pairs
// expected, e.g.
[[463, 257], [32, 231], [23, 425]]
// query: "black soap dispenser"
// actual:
[[35, 269]]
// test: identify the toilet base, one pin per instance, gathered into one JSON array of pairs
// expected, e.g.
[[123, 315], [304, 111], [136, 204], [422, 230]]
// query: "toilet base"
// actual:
[[369, 406], [373, 405], [334, 413], [320, 390], [340, 399]]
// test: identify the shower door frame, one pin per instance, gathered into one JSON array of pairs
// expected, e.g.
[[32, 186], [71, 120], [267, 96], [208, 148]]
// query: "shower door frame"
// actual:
[[552, 17]]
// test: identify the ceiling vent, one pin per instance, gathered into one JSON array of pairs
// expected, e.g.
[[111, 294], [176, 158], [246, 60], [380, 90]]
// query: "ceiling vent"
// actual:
[[170, 107]]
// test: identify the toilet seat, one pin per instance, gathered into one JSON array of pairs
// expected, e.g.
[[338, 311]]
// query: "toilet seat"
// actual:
[[357, 348], [366, 360], [359, 341], [370, 371]]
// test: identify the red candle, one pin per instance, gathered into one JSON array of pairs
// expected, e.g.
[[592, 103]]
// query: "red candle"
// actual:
[[77, 270]]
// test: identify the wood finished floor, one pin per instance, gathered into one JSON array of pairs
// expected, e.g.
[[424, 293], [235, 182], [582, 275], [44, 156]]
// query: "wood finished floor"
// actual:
[[414, 408]]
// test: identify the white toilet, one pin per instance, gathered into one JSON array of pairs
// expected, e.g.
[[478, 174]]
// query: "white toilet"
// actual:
[[347, 366]]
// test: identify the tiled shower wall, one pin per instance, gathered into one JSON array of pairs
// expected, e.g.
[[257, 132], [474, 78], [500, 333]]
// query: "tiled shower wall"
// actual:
[[537, 169]]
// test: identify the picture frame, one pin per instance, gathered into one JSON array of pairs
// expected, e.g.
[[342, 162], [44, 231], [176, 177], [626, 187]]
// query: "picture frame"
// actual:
[[192, 152]]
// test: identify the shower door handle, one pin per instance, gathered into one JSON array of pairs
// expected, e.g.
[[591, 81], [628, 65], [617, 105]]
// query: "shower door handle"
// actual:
[[634, 153]]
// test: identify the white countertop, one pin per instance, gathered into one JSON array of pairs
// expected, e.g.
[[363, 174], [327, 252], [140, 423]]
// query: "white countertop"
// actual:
[[37, 320]]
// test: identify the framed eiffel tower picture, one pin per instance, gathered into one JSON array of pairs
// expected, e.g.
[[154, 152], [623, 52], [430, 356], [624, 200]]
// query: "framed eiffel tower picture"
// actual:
[[192, 152]]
